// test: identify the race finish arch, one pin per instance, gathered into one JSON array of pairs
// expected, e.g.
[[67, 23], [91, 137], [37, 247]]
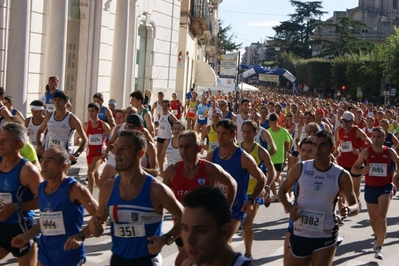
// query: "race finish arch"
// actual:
[[250, 70]]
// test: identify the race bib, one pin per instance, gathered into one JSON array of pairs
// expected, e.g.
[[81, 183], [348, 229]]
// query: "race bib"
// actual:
[[193, 110], [221, 187], [378, 169], [312, 220], [174, 112], [52, 223], [346, 146], [50, 107], [213, 145], [95, 139], [171, 161], [129, 230], [5, 198], [33, 141], [56, 141]]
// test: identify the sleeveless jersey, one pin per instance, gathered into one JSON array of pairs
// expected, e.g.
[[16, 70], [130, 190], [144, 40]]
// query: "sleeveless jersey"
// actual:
[[259, 139], [59, 219], [212, 139], [348, 142], [182, 185], [265, 124], [165, 126], [229, 115], [201, 110], [101, 115], [96, 139], [388, 140], [32, 131], [255, 154], [280, 119], [133, 221], [234, 168], [240, 121], [142, 114], [379, 174], [368, 131], [175, 106], [12, 191], [49, 105], [317, 194], [192, 108], [157, 111], [172, 153], [361, 124], [59, 133]]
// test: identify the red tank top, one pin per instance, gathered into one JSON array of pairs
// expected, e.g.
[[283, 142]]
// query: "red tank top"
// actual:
[[348, 142], [96, 139], [175, 106], [182, 185], [379, 174]]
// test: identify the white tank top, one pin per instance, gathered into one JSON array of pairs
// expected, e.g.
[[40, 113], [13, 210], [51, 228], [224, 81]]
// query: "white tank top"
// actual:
[[317, 197], [240, 121], [157, 111], [172, 153], [59, 133], [32, 131], [165, 128]]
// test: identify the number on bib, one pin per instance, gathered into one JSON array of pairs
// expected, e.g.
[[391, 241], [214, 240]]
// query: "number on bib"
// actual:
[[378, 169], [312, 220], [129, 230]]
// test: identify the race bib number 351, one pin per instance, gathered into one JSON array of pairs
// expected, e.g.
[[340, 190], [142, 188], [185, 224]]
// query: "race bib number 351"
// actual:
[[129, 230]]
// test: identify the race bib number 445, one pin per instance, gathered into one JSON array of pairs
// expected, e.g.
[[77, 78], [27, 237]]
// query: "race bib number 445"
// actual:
[[129, 230]]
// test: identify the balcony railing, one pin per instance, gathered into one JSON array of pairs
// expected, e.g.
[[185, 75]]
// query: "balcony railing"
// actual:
[[201, 17]]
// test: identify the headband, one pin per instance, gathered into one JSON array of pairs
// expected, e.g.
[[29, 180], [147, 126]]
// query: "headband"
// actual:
[[36, 108]]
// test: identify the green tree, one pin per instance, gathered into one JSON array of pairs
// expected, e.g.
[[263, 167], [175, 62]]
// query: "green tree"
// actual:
[[391, 51], [294, 35], [226, 40]]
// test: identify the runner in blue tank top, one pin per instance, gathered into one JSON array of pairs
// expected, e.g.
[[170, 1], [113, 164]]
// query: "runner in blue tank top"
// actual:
[[239, 165], [18, 188], [61, 201], [135, 202]]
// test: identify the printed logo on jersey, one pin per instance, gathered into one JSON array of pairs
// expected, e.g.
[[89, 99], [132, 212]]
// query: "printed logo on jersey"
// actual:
[[318, 185], [135, 217], [7, 185], [201, 181], [309, 172]]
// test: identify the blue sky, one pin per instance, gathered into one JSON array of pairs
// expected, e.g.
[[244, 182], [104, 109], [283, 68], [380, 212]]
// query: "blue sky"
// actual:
[[252, 20]]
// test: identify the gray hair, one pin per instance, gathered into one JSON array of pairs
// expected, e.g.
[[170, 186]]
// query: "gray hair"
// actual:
[[18, 130]]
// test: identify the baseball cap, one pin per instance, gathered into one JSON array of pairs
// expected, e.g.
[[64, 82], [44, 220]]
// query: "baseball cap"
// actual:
[[135, 119], [348, 116], [58, 94]]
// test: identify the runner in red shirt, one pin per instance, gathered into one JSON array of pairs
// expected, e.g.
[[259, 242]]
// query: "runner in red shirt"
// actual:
[[176, 106], [96, 132]]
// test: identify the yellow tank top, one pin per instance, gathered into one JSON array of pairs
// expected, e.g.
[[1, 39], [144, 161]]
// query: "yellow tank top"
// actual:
[[255, 154], [192, 108], [212, 139]]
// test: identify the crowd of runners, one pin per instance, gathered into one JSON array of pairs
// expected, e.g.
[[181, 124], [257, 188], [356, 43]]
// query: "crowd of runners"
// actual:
[[211, 160]]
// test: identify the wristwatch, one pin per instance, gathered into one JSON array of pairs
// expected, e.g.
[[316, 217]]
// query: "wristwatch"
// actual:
[[76, 154], [169, 239], [81, 235]]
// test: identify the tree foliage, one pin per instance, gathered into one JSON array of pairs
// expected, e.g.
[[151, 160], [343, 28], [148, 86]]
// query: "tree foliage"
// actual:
[[226, 40]]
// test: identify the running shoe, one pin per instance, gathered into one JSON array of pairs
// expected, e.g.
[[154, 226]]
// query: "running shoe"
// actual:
[[266, 199], [378, 253], [249, 256]]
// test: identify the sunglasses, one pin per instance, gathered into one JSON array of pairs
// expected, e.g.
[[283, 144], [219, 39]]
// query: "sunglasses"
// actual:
[[345, 121]]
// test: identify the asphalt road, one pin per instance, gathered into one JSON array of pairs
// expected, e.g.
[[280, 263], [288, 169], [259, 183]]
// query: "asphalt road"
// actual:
[[270, 227]]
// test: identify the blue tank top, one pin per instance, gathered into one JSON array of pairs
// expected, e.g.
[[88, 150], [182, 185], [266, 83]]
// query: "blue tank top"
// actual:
[[233, 167], [101, 114], [228, 116], [12, 189], [265, 124], [388, 140], [126, 218], [51, 250], [14, 111]]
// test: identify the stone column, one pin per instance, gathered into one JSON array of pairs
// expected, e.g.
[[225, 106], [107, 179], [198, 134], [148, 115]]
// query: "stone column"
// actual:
[[119, 53], [56, 38], [18, 53]]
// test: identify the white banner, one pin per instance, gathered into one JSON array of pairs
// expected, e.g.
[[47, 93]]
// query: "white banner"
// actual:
[[270, 78], [228, 64]]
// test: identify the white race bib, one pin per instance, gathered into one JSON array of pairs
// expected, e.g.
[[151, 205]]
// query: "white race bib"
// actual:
[[222, 188], [95, 139], [129, 230], [193, 110], [54, 140], [5, 198], [378, 169], [50, 107], [174, 112], [312, 220], [346, 146], [52, 223], [171, 161], [213, 145]]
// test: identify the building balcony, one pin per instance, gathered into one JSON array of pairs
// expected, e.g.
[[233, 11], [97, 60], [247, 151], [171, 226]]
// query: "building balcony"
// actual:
[[201, 24]]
